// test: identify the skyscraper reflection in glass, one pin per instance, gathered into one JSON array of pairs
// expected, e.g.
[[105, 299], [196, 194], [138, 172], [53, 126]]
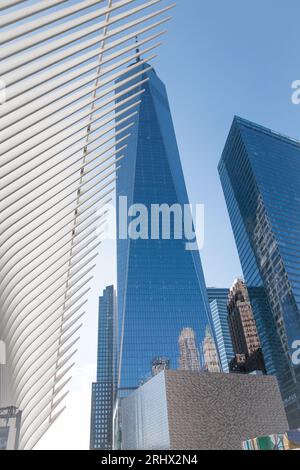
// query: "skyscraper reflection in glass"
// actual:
[[161, 288], [260, 174], [218, 298]]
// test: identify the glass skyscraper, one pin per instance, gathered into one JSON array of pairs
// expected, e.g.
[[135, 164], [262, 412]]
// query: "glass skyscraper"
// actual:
[[161, 288], [260, 174], [104, 389], [218, 298]]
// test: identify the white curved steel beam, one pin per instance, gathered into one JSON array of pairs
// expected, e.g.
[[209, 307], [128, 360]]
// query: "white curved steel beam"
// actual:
[[60, 61]]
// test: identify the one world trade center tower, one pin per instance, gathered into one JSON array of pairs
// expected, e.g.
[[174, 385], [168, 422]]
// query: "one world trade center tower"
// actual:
[[161, 288]]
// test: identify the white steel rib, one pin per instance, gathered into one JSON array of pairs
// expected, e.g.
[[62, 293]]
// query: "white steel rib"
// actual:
[[60, 60]]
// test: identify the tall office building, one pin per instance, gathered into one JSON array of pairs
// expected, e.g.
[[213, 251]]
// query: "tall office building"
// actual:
[[104, 389], [210, 354], [243, 330], [161, 287], [241, 320], [218, 299], [260, 170], [189, 354]]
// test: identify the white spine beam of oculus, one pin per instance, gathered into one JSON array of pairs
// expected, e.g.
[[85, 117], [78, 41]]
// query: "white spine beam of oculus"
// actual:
[[59, 64]]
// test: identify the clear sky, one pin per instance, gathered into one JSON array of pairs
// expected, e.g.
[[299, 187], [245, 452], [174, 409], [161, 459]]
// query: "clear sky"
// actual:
[[220, 58]]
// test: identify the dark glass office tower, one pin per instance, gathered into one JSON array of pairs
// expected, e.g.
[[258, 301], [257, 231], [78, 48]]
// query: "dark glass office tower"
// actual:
[[104, 389], [161, 287], [260, 174]]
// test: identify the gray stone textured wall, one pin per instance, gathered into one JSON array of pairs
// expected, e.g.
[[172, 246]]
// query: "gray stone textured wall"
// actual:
[[218, 411]]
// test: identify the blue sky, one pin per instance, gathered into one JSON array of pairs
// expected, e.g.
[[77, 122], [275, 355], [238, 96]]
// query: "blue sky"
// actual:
[[224, 58], [220, 58]]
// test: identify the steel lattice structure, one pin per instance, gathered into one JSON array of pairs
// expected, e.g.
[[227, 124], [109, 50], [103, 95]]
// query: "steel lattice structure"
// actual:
[[59, 63]]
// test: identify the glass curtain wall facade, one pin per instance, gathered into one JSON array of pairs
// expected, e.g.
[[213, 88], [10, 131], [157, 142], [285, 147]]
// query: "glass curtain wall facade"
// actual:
[[161, 288], [218, 298], [104, 389], [260, 175], [144, 417]]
